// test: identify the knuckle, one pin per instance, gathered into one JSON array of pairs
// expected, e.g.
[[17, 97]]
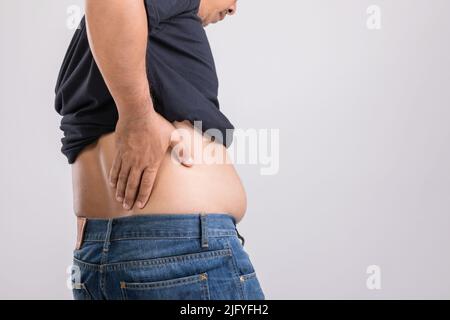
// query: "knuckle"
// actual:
[[131, 190], [132, 181], [146, 181], [120, 186], [146, 186]]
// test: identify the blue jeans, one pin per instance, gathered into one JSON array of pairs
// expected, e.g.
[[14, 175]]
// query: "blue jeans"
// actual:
[[194, 256]]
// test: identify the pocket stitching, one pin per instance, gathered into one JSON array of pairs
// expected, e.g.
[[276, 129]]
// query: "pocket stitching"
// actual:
[[171, 259], [198, 278], [163, 283], [236, 270]]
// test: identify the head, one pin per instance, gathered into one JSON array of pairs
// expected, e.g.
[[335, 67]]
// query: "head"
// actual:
[[212, 11]]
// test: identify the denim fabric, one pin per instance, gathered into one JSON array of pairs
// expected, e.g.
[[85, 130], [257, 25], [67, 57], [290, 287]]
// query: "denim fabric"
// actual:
[[164, 256]]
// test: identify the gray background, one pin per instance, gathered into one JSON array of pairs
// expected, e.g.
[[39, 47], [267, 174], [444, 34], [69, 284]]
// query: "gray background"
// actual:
[[364, 146]]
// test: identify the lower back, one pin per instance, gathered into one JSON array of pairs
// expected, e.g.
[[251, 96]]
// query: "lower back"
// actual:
[[211, 185]]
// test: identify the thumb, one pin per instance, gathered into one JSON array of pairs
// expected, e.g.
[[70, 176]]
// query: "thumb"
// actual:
[[180, 149]]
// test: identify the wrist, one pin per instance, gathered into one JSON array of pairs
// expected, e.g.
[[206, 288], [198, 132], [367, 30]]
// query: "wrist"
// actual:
[[137, 112]]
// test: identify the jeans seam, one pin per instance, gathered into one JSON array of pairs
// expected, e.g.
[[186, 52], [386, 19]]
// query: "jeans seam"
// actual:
[[236, 271], [104, 258], [164, 283], [205, 287], [167, 260]]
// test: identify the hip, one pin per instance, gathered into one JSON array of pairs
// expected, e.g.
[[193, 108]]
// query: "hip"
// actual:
[[207, 186], [169, 257]]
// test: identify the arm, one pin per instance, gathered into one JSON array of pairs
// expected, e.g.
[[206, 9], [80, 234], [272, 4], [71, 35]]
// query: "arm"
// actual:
[[118, 34]]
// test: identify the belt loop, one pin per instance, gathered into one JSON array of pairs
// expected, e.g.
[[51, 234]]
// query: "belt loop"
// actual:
[[108, 235], [204, 229], [81, 224]]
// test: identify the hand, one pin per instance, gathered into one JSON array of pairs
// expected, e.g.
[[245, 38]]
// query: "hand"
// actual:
[[141, 143]]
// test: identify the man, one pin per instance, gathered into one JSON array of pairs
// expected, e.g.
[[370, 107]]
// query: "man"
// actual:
[[134, 73]]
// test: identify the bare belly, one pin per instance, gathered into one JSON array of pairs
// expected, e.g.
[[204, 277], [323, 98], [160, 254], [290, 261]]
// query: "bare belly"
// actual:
[[208, 186]]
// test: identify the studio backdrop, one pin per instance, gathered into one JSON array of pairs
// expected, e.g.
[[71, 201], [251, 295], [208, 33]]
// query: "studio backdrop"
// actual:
[[349, 196]]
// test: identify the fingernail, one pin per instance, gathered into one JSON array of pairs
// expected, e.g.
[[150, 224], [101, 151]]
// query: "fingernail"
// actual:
[[126, 206], [139, 204], [119, 198], [189, 161]]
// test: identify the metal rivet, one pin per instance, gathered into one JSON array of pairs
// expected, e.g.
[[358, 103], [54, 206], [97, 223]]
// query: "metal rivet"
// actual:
[[242, 278], [122, 285], [203, 276]]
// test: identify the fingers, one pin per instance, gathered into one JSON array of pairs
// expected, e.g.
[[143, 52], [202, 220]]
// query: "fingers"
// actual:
[[135, 185], [132, 185], [122, 183], [115, 169], [145, 188]]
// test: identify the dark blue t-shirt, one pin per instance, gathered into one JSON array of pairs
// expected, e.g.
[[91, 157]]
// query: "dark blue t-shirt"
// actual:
[[181, 73]]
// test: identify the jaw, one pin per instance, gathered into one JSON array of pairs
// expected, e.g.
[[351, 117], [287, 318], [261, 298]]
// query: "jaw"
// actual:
[[207, 22], [208, 19]]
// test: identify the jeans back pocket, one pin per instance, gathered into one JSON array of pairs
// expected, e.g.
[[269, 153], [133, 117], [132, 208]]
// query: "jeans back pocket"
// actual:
[[193, 287]]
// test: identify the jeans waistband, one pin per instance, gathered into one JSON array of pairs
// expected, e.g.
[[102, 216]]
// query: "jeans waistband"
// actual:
[[191, 225]]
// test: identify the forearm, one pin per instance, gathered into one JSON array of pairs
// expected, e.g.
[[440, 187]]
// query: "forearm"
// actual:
[[117, 33]]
